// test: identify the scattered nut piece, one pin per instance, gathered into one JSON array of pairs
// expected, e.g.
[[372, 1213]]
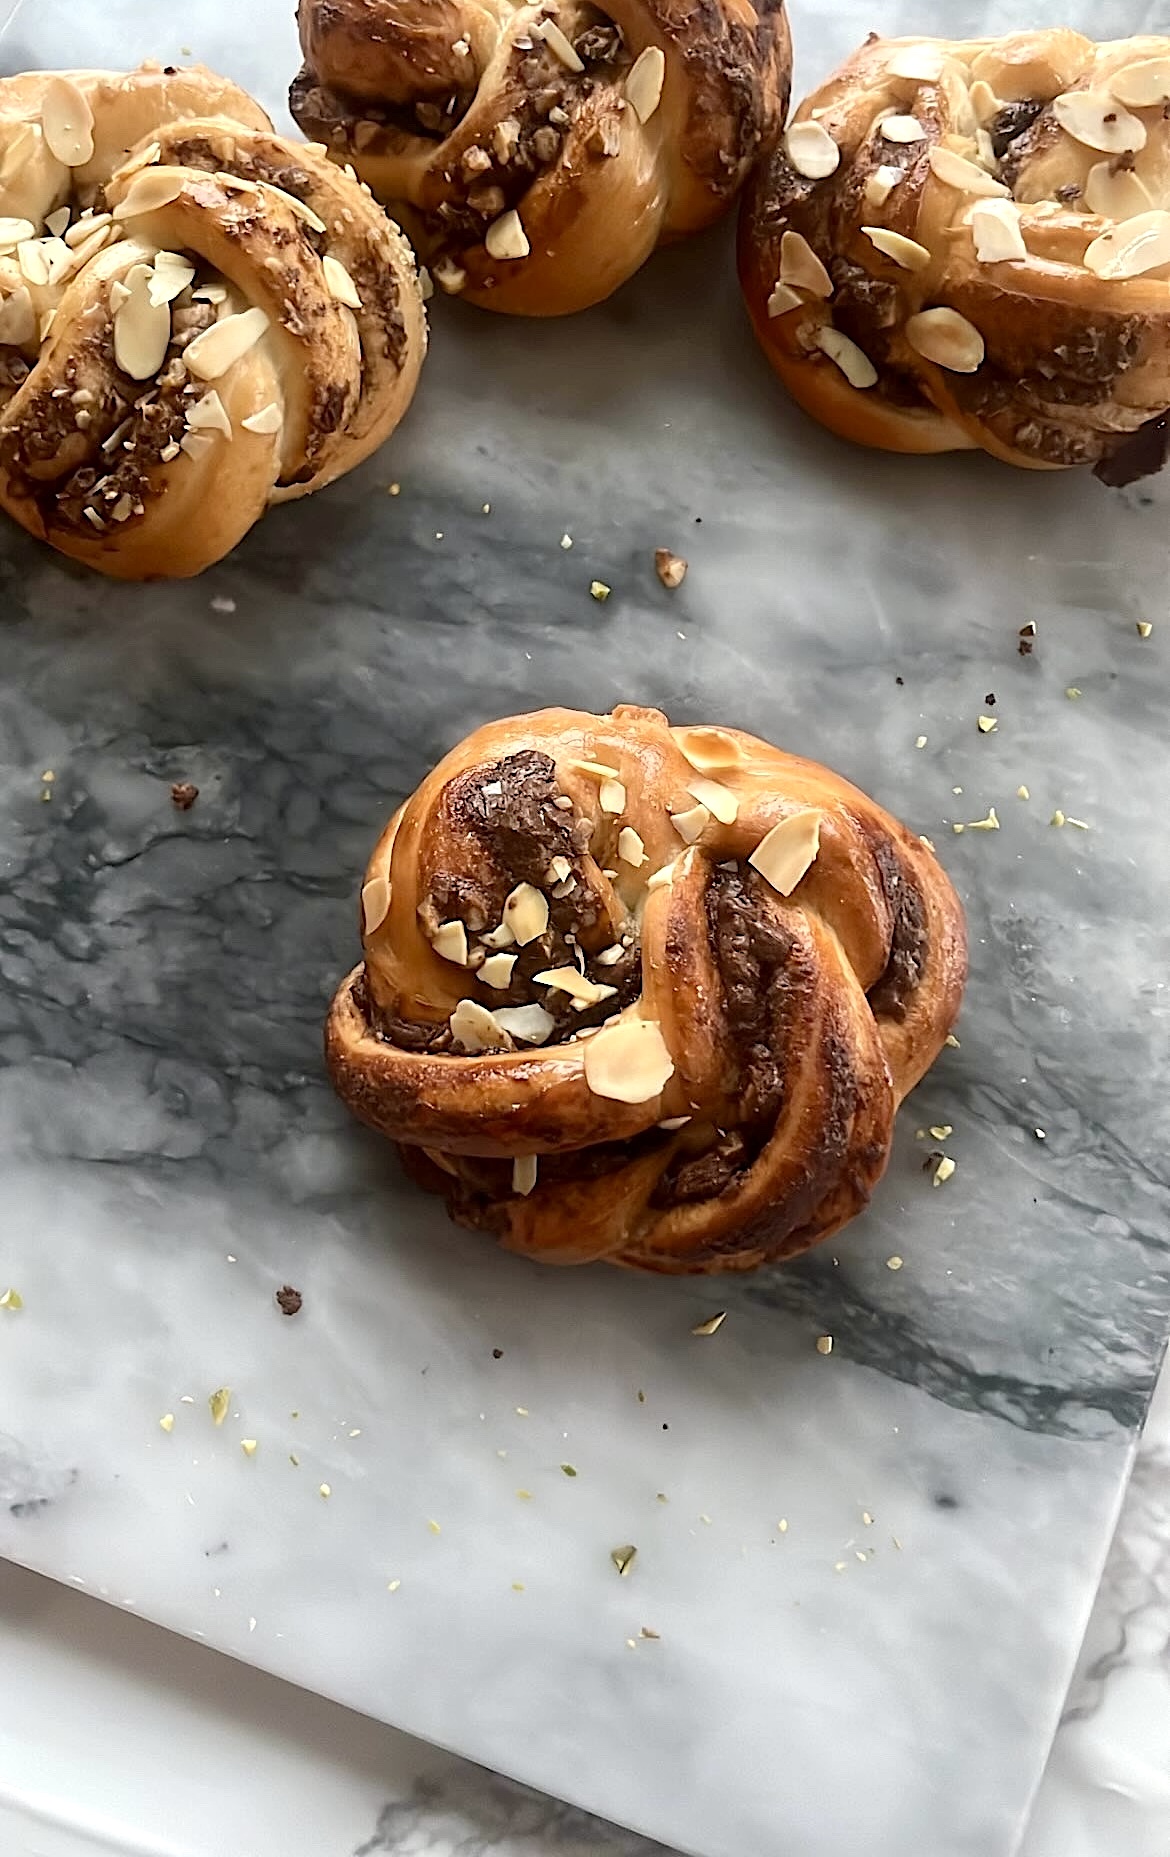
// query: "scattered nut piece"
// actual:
[[526, 914], [901, 129], [853, 362], [988, 725], [184, 794], [449, 942], [599, 590], [947, 339], [785, 853], [375, 904], [644, 82], [506, 237], [801, 268], [631, 849], [943, 1171], [1097, 120], [670, 568], [623, 1558], [524, 1174], [956, 171], [288, 1300], [167, 1422], [903, 251], [712, 1325], [218, 1404], [628, 1062], [824, 1344], [812, 150]]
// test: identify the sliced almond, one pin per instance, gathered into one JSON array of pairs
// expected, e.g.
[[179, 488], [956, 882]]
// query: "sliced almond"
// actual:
[[375, 903], [145, 158], [1097, 120], [631, 849], [612, 797], [1133, 249], [785, 853], [44, 331], [149, 191], [220, 347], [644, 83], [496, 971], [718, 799], [947, 339], [907, 252], [82, 252], [34, 261], [1144, 85], [691, 825], [800, 266], [881, 184], [14, 232], [57, 224], [268, 420], [598, 770], [853, 361], [170, 279], [782, 300], [210, 415], [1116, 194], [118, 295], [311, 219], [558, 44], [339, 283], [526, 914], [67, 121], [609, 957], [196, 445], [476, 1029], [923, 64], [532, 1025], [901, 129], [984, 103], [501, 937], [995, 226], [956, 171], [210, 293], [524, 1166], [558, 870], [628, 1062], [142, 329], [663, 878], [577, 986], [506, 237], [449, 942], [812, 150]]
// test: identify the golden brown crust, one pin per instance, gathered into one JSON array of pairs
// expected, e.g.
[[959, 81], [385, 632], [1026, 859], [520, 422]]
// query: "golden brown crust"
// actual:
[[792, 1025], [460, 113], [1058, 362], [128, 466]]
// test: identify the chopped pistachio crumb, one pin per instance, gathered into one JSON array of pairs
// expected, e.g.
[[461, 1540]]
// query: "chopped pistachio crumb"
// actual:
[[623, 1558], [1144, 628], [294, 1460], [1022, 793], [324, 1490], [356, 1434], [988, 725], [248, 1446], [167, 1422], [393, 489], [630, 1642], [1040, 1134], [566, 541], [1057, 818], [782, 1525], [706, 1520], [990, 824], [521, 1412], [1082, 825], [951, 1040], [219, 1403], [517, 1586], [647, 1631], [824, 1344], [570, 1470], [867, 1518], [434, 1528], [11, 1299], [525, 1495], [840, 1566], [894, 1263], [921, 742], [711, 1325], [599, 590], [944, 1170], [393, 1585], [940, 1130], [958, 826], [1072, 693]]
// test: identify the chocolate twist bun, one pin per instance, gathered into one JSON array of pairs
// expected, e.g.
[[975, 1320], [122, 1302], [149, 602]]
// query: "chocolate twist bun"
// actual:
[[643, 993], [537, 154], [239, 323], [966, 244]]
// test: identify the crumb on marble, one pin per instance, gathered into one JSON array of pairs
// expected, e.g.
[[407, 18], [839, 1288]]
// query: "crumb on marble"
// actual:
[[599, 590], [324, 1490], [824, 1344], [11, 1299], [218, 1403], [624, 1557], [712, 1325], [1144, 627], [167, 1422], [434, 1528], [670, 568], [392, 1586], [288, 1300], [943, 1171], [249, 1446], [183, 795]]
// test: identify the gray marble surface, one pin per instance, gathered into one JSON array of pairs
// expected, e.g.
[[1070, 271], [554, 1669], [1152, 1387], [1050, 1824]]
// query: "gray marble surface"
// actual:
[[172, 1153]]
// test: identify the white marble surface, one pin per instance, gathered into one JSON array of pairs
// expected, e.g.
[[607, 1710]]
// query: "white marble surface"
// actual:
[[171, 1152]]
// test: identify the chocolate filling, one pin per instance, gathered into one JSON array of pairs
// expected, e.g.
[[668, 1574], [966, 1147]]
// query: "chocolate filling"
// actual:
[[1011, 122], [1142, 454], [891, 995]]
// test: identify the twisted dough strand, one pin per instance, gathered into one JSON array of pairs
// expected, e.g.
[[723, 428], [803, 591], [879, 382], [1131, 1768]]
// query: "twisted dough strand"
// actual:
[[722, 1090]]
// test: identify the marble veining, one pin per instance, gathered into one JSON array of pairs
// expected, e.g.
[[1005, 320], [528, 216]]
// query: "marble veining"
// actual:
[[172, 1153]]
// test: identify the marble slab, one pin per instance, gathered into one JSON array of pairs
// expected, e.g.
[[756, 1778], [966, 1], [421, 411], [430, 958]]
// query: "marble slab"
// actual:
[[172, 1153]]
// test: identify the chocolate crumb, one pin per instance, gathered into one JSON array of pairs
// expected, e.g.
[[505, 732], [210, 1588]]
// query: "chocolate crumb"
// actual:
[[1025, 648], [989, 699], [184, 795], [497, 1354], [288, 1300]]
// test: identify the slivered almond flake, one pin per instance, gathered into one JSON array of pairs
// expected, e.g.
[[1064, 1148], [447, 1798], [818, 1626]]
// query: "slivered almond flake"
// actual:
[[375, 904], [211, 354], [169, 279], [644, 83], [56, 223], [14, 232], [532, 1025], [1143, 85], [663, 878], [506, 237], [475, 1029], [995, 227], [785, 853], [34, 261], [268, 420], [311, 219], [956, 171], [800, 266], [907, 252], [628, 1062], [501, 937], [1132, 249], [449, 942], [88, 248], [783, 299], [559, 869], [612, 797], [142, 329], [983, 100], [718, 799], [524, 1174], [901, 129], [853, 362], [1097, 120], [577, 986], [496, 971], [526, 914], [923, 64], [1116, 194], [210, 414], [558, 44], [881, 184], [339, 283], [46, 329], [67, 122], [148, 191], [691, 825], [609, 957], [598, 770], [812, 150], [196, 445], [631, 849], [145, 158], [946, 338]]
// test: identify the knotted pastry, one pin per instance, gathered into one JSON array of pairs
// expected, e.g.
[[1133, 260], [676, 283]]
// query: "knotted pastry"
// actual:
[[537, 154], [966, 244], [218, 320], [645, 994]]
